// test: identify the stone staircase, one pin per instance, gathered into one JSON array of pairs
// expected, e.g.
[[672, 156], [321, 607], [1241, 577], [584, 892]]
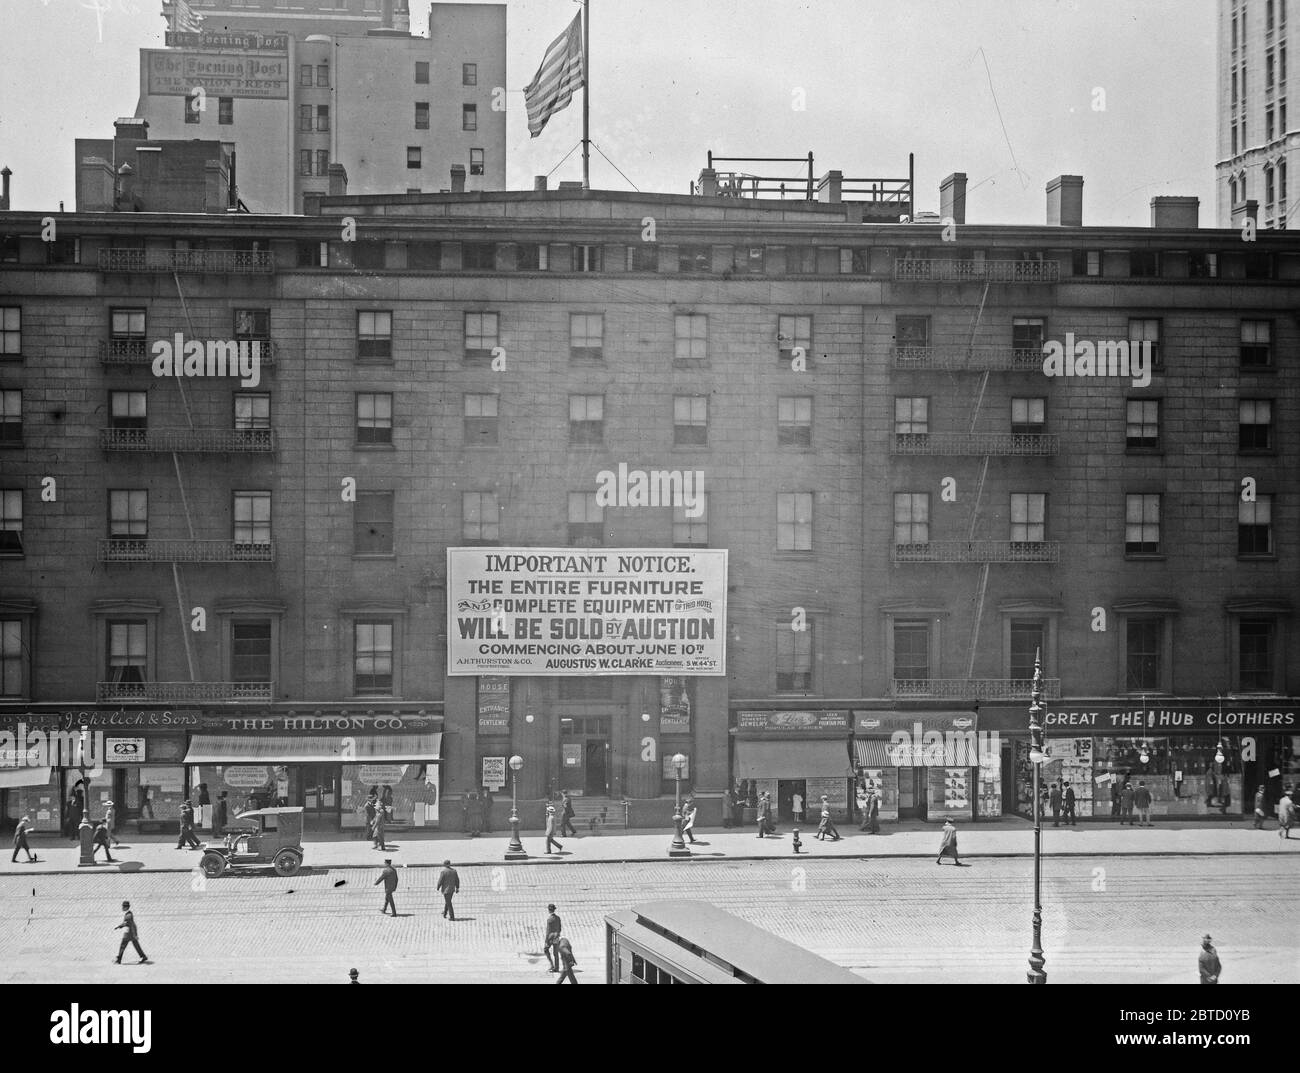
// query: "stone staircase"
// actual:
[[592, 815]]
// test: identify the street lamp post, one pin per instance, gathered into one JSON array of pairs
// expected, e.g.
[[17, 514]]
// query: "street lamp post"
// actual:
[[678, 847], [515, 851], [85, 832], [1036, 975]]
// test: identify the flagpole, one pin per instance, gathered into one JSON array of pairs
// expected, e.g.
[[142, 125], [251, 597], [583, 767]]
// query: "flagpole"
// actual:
[[586, 92]]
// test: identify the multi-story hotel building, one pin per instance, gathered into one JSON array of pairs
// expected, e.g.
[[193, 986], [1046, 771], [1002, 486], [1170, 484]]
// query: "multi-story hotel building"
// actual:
[[242, 580]]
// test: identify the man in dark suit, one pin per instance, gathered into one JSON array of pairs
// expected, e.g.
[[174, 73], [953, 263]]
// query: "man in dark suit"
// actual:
[[1067, 801], [187, 827], [566, 816], [220, 815], [552, 937], [388, 877], [98, 839], [1054, 803], [132, 937], [564, 952], [448, 884]]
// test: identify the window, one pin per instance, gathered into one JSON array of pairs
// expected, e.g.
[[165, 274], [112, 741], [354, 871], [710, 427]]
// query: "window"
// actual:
[[304, 74], [250, 651], [476, 161], [1202, 265], [1028, 517], [372, 668], [13, 659], [11, 418], [127, 324], [1143, 330], [252, 411], [911, 652], [252, 324], [800, 260], [252, 518], [1255, 526], [1028, 416], [478, 256], [690, 420], [748, 260], [1142, 425], [469, 117], [480, 518], [63, 251], [586, 419], [481, 420], [1144, 264], [911, 332], [421, 73], [694, 258], [1028, 639], [1141, 524], [128, 514], [374, 334], [421, 115], [322, 74], [911, 519], [911, 421], [794, 521], [368, 253], [11, 521], [225, 111], [304, 117], [469, 74], [1256, 343], [304, 161], [322, 117], [1255, 425], [643, 258], [794, 657], [587, 336], [793, 330], [794, 421], [11, 332], [413, 156], [1027, 335], [322, 161], [1257, 654], [129, 410], [586, 520], [1144, 654], [193, 107], [586, 258], [482, 334], [374, 418], [372, 524], [690, 337], [688, 531], [1087, 262], [128, 661]]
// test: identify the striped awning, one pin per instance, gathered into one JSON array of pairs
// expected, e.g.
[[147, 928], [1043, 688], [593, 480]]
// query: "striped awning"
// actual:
[[872, 753], [322, 748], [11, 778]]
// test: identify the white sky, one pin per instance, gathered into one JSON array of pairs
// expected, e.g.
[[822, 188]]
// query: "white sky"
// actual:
[[673, 79]]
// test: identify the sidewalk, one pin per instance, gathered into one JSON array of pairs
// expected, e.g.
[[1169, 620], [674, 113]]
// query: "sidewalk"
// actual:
[[1008, 837]]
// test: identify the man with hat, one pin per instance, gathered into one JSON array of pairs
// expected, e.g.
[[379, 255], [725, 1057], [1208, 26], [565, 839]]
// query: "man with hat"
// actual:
[[98, 839], [110, 821], [131, 938], [552, 829], [20, 838], [448, 884], [1208, 962], [388, 877]]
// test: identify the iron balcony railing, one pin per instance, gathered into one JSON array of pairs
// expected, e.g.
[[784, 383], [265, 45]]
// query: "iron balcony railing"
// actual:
[[229, 262], [975, 688], [975, 443], [950, 270], [188, 440], [184, 551], [170, 692], [137, 351], [978, 551], [977, 357]]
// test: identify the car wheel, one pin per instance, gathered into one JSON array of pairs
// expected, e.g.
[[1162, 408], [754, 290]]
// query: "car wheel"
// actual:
[[287, 862], [213, 864]]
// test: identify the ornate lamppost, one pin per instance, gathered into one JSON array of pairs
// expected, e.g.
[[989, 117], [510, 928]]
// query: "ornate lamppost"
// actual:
[[678, 847], [515, 851], [1036, 975]]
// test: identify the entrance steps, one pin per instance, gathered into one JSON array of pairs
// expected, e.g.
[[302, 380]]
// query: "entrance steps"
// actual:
[[593, 815]]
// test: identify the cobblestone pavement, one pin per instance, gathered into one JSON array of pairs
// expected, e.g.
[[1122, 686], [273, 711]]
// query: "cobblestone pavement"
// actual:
[[1126, 920]]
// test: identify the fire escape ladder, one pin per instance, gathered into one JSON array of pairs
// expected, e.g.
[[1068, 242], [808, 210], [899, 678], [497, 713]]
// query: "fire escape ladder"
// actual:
[[185, 503], [982, 587]]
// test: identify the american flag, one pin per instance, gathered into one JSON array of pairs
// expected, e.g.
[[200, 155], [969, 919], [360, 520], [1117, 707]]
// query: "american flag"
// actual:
[[559, 75], [181, 17]]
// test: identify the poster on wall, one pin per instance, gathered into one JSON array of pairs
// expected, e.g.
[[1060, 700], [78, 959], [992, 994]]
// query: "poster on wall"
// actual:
[[493, 704], [670, 769], [560, 611], [674, 705], [494, 772]]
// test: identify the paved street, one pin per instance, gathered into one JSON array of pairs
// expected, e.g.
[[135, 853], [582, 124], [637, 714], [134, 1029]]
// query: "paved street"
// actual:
[[1115, 919]]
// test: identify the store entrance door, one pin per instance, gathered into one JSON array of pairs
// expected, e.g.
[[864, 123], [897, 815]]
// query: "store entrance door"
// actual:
[[785, 791], [912, 793], [320, 796], [596, 783]]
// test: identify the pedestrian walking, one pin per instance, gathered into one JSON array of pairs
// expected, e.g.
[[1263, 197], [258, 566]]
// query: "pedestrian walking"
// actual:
[[380, 827], [796, 806], [1126, 805], [565, 954], [728, 807], [1285, 814], [110, 821], [487, 810], [388, 877], [20, 839], [100, 839], [1054, 803], [948, 845], [448, 884], [220, 815], [370, 808], [475, 815], [1260, 802], [132, 936], [688, 819], [871, 811], [553, 927], [1208, 962], [1142, 802], [827, 825], [187, 827], [567, 812], [1067, 806], [552, 828]]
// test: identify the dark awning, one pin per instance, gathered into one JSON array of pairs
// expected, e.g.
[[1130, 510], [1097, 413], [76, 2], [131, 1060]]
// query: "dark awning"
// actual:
[[321, 748]]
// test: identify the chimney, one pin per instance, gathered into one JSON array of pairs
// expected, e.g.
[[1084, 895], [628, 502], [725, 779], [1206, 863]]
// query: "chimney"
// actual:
[[1245, 210], [539, 183], [131, 129], [708, 184], [829, 187], [458, 178], [216, 187], [1182, 213], [952, 197], [338, 180], [1065, 201], [4, 194]]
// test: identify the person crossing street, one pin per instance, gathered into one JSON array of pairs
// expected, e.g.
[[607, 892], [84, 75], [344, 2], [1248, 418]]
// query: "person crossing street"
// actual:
[[948, 846], [564, 952], [20, 839], [388, 877], [553, 927], [132, 936], [448, 884]]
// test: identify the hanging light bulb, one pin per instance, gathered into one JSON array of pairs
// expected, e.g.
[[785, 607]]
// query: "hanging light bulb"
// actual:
[[1144, 756], [1218, 754]]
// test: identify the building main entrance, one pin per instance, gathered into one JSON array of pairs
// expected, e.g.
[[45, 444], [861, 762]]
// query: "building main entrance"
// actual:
[[320, 796], [584, 754]]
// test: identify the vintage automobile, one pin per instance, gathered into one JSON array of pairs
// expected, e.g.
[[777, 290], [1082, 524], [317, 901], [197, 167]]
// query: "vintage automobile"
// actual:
[[277, 842]]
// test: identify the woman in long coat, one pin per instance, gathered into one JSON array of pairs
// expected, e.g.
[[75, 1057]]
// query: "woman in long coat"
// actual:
[[948, 847], [1285, 815]]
